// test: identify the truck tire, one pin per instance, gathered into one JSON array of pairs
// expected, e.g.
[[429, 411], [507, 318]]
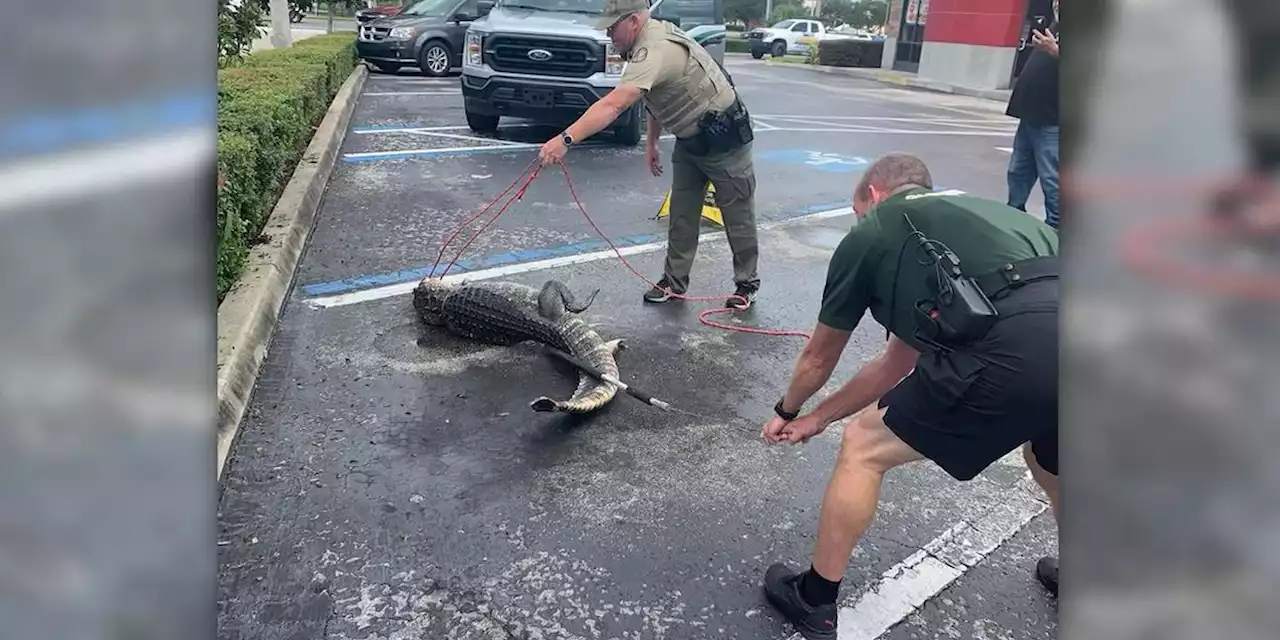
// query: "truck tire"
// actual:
[[757, 54], [434, 59], [481, 123], [779, 48], [386, 67], [629, 134]]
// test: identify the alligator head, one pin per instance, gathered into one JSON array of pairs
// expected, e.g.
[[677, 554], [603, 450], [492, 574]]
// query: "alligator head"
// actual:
[[428, 299]]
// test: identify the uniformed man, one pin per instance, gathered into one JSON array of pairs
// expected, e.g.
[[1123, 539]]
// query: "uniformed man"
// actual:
[[962, 398], [688, 94]]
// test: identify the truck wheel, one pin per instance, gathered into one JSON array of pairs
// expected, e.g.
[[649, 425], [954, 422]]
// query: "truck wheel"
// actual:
[[481, 123], [386, 67], [756, 53], [434, 60], [779, 48], [629, 134]]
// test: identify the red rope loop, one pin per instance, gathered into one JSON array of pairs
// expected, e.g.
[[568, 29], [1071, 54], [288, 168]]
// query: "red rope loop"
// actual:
[[1146, 249], [702, 317]]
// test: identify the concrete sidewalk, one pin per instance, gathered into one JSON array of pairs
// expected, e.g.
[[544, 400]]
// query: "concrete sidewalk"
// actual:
[[900, 78]]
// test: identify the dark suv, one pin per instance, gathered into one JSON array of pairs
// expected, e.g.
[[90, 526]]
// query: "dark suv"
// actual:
[[427, 34]]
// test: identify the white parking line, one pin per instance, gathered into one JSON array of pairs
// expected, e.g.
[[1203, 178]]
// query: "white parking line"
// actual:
[[403, 288], [435, 151], [1006, 149], [88, 173], [927, 119], [417, 129], [457, 136], [905, 132], [925, 573]]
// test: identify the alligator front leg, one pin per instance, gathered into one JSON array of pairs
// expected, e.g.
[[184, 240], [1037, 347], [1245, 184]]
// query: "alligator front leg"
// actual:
[[555, 299]]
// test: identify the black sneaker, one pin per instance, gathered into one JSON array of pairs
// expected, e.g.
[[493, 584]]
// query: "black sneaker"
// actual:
[[660, 293], [782, 588], [744, 297], [1047, 573]]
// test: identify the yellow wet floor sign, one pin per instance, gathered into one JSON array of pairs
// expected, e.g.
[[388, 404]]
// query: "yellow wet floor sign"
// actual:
[[709, 209]]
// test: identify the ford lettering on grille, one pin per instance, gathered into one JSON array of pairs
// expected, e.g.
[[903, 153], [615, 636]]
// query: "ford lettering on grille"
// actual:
[[539, 55]]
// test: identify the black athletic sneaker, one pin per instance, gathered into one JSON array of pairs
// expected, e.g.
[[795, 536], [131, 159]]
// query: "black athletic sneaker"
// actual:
[[742, 292], [660, 292], [782, 588], [1047, 573]]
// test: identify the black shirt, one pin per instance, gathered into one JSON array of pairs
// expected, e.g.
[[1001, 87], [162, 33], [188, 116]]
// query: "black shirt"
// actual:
[[1035, 95]]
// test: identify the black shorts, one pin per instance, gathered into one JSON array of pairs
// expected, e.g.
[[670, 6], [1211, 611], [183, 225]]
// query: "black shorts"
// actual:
[[966, 409]]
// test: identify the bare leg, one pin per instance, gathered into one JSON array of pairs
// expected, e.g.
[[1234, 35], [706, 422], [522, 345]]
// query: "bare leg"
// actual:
[[868, 450], [1046, 480], [808, 599], [1047, 567]]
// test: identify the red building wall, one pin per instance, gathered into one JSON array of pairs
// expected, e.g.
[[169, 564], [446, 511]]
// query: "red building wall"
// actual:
[[995, 23]]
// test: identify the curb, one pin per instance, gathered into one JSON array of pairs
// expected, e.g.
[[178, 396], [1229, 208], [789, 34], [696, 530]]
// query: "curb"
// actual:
[[247, 316], [902, 80]]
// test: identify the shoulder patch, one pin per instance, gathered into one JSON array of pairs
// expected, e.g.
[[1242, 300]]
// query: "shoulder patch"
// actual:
[[639, 54]]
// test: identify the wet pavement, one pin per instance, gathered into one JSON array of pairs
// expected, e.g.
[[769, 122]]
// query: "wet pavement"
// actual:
[[392, 482]]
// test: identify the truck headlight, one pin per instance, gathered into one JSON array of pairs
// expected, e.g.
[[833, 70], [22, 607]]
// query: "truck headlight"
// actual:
[[475, 49], [613, 62], [401, 33]]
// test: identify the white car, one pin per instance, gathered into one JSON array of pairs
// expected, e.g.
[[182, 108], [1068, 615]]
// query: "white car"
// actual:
[[789, 37]]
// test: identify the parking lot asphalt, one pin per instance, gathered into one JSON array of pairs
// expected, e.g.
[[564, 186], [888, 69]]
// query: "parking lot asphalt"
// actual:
[[392, 482]]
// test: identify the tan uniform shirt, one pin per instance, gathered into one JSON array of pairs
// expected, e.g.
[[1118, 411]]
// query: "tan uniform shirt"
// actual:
[[680, 80]]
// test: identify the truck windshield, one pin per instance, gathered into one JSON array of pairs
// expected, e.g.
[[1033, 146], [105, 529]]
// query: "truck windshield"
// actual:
[[429, 8], [784, 25], [570, 6]]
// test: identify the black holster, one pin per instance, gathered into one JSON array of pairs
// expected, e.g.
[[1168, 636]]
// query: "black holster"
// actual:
[[962, 310], [722, 131]]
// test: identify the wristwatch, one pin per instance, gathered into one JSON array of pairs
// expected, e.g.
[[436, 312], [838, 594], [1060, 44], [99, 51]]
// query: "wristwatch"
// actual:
[[783, 413], [566, 139]]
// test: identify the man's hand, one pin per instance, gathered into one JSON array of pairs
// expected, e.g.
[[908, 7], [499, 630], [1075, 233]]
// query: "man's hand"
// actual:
[[796, 431], [1045, 41], [654, 158], [772, 432], [553, 151]]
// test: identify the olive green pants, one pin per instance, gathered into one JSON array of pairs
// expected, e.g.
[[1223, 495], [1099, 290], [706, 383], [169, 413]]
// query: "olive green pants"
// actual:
[[733, 175]]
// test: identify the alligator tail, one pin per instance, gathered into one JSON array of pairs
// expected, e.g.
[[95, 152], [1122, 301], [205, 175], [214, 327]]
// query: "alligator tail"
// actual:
[[591, 394]]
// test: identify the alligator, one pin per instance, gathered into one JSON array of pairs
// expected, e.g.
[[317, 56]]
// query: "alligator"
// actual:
[[506, 313]]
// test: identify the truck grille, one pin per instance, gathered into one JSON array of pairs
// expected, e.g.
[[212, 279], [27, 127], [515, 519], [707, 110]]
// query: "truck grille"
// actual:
[[373, 34], [570, 58]]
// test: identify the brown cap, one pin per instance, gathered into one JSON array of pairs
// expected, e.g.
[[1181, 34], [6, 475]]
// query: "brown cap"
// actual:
[[614, 10]]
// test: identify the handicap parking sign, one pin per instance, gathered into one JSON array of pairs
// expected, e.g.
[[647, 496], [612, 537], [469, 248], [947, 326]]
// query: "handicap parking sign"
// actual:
[[820, 160]]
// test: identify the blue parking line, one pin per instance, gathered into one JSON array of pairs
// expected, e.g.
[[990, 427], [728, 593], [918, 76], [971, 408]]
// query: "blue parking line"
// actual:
[[48, 131], [511, 257]]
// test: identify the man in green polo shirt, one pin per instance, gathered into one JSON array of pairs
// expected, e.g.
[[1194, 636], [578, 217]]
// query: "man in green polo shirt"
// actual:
[[961, 405]]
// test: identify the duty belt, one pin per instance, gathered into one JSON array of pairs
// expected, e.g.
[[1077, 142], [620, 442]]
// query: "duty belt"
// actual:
[[1015, 275]]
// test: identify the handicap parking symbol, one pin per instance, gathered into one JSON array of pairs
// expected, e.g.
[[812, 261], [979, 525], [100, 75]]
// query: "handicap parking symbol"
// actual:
[[820, 160]]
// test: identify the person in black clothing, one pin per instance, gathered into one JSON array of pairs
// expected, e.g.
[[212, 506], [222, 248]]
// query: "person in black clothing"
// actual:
[[1253, 201], [1035, 104]]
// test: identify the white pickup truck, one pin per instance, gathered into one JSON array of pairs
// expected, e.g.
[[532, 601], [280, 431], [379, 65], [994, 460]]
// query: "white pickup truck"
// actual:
[[793, 37]]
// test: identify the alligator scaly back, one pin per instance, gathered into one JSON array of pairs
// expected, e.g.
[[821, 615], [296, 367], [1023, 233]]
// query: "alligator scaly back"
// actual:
[[506, 313]]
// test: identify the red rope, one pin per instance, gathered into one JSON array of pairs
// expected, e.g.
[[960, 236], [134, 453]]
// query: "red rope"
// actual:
[[1145, 248], [702, 317], [519, 195]]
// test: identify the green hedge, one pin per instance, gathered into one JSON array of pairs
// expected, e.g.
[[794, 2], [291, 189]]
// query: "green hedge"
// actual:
[[734, 44], [850, 53], [268, 108]]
